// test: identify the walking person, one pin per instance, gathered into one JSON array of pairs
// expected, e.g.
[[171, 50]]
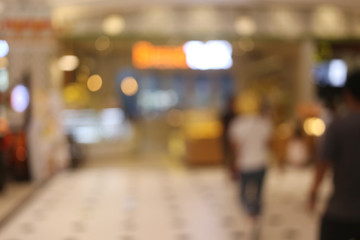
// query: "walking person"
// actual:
[[250, 135], [340, 152]]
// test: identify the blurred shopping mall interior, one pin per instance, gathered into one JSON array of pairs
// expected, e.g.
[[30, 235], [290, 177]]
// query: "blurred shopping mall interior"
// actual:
[[112, 113]]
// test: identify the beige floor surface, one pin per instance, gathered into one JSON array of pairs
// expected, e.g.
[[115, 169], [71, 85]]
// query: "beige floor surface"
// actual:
[[159, 199]]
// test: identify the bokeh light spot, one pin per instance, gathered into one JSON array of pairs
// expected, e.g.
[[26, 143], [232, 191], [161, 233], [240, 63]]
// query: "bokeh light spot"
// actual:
[[245, 26], [113, 25], [20, 98], [94, 83], [129, 86], [102, 43], [314, 127], [68, 63], [4, 48]]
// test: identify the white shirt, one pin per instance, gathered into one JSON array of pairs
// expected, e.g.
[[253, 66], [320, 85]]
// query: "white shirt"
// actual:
[[252, 133]]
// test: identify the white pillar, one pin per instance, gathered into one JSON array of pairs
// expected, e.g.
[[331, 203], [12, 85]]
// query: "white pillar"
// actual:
[[33, 48]]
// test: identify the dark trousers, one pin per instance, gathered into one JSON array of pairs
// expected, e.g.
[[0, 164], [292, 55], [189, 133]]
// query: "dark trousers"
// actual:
[[334, 229], [251, 184]]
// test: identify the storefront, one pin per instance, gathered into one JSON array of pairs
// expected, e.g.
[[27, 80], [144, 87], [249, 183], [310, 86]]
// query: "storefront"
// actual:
[[154, 82]]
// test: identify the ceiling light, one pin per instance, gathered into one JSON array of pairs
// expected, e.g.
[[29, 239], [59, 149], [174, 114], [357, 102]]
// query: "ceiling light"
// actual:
[[113, 25], [245, 26], [68, 63]]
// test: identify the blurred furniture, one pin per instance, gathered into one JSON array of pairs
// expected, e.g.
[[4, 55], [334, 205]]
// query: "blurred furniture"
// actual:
[[203, 137]]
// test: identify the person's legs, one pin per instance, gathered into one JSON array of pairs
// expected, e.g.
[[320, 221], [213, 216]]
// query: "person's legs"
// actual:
[[243, 184], [251, 189], [258, 180], [251, 192]]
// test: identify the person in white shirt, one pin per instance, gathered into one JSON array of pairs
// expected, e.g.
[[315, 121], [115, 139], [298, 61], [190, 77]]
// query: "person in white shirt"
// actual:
[[250, 136]]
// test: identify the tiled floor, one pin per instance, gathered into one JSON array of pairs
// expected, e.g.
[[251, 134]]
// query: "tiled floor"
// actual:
[[162, 202], [12, 196]]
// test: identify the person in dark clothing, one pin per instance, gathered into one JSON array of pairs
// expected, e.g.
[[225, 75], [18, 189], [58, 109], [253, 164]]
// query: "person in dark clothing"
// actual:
[[227, 117], [340, 151]]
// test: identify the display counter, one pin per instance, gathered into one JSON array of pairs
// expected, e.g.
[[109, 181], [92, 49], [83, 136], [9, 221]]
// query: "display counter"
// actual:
[[203, 137]]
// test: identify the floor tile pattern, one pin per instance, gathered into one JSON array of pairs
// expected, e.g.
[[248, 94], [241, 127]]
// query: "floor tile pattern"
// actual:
[[126, 203]]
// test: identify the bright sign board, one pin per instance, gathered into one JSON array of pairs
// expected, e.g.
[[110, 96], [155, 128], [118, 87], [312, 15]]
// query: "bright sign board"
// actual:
[[209, 55], [193, 54], [145, 55]]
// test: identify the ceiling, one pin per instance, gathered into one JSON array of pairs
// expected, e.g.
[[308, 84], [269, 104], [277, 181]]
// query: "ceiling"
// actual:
[[136, 4], [209, 18]]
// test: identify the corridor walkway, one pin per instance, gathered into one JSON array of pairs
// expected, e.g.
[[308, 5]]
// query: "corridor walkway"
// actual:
[[139, 201]]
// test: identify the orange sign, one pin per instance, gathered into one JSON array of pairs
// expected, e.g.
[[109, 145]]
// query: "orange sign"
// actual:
[[28, 24], [145, 55]]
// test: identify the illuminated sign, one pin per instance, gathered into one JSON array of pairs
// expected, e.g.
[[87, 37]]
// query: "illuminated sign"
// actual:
[[145, 55], [194, 55], [209, 55]]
